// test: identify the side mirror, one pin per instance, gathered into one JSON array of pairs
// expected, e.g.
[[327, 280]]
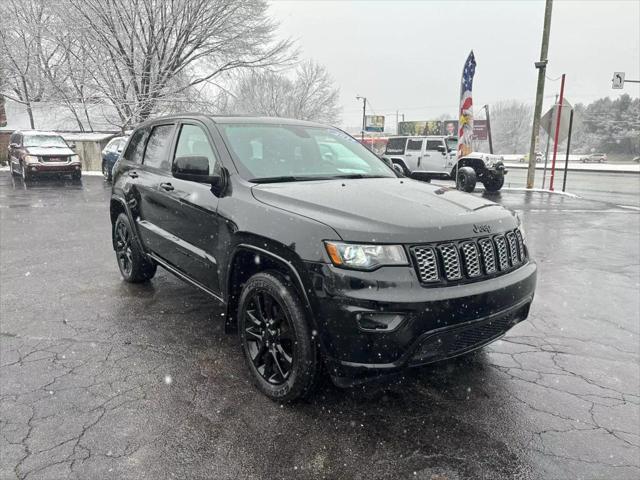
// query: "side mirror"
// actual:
[[194, 169], [442, 149], [14, 145], [72, 146]]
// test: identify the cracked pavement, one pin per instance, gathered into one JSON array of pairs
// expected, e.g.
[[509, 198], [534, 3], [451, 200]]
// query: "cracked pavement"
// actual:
[[101, 379]]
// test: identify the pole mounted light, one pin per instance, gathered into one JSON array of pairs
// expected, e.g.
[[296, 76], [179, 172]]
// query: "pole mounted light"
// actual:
[[364, 114]]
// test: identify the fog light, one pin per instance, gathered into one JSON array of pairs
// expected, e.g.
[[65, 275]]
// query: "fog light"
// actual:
[[379, 322], [77, 167], [34, 169]]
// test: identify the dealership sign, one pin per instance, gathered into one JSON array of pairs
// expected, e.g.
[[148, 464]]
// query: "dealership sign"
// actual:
[[429, 127], [374, 123]]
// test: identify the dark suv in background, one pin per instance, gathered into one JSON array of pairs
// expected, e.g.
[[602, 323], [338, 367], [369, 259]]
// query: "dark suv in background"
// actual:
[[34, 153], [320, 252]]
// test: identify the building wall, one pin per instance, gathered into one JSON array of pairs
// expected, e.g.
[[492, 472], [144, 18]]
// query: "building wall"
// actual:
[[4, 144], [90, 153]]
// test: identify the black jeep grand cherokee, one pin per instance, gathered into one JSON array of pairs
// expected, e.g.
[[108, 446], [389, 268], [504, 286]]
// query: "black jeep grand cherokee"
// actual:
[[321, 253]]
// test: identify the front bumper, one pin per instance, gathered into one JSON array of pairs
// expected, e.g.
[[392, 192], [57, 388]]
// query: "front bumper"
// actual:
[[429, 324], [52, 168]]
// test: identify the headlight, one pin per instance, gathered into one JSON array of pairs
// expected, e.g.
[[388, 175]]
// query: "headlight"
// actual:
[[31, 159], [365, 257], [74, 158]]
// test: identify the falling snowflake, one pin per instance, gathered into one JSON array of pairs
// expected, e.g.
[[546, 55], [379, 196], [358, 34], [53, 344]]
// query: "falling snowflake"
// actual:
[[168, 380]]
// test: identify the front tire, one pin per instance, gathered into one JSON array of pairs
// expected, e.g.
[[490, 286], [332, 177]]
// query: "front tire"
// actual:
[[24, 173], [402, 167], [105, 172], [134, 266], [276, 338], [76, 175], [493, 183], [466, 179]]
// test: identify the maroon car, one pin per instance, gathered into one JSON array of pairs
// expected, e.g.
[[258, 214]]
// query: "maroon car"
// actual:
[[34, 153]]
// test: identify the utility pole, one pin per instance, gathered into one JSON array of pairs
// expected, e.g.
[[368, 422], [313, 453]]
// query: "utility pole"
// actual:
[[364, 114], [542, 70]]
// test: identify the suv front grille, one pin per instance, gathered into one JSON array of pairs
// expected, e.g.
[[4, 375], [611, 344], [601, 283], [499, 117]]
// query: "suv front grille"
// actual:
[[469, 260]]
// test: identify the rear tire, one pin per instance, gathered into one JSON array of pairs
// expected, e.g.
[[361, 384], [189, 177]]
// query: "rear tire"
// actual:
[[133, 264], [277, 341], [493, 183], [466, 179]]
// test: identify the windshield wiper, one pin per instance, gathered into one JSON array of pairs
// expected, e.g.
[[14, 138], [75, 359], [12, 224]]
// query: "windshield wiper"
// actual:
[[359, 175], [287, 178]]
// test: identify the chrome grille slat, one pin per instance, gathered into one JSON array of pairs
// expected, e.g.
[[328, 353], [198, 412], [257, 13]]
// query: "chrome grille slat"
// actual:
[[469, 259], [450, 261], [427, 264], [514, 255], [520, 244], [488, 255], [503, 255]]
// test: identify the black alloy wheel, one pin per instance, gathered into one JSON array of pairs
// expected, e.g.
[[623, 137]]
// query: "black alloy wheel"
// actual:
[[278, 343], [133, 265], [268, 338], [123, 249]]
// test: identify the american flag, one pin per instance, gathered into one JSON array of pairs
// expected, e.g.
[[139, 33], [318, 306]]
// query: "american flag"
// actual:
[[465, 125]]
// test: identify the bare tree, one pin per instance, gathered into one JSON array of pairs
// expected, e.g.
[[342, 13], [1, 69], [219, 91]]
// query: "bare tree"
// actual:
[[145, 52], [510, 126], [20, 35], [309, 95]]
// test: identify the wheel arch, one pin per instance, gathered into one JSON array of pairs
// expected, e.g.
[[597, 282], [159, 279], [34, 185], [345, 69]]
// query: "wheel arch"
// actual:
[[475, 163], [252, 255]]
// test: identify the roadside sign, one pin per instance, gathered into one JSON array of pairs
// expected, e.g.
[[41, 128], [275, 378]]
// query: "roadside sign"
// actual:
[[374, 123], [480, 131], [548, 121], [617, 82]]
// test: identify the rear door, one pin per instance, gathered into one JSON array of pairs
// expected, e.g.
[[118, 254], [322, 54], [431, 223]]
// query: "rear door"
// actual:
[[155, 170]]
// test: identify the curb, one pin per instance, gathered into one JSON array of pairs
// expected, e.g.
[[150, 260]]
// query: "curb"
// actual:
[[574, 169]]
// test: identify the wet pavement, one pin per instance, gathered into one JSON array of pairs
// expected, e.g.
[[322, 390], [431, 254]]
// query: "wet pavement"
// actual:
[[101, 379]]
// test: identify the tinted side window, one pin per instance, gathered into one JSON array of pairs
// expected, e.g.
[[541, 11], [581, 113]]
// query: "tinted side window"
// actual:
[[136, 146], [396, 145], [157, 155], [193, 142], [414, 145], [434, 144]]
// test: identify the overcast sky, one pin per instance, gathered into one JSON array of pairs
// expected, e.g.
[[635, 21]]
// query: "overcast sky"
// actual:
[[408, 55]]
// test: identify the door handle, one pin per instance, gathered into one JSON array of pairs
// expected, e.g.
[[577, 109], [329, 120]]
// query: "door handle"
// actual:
[[133, 174], [166, 186]]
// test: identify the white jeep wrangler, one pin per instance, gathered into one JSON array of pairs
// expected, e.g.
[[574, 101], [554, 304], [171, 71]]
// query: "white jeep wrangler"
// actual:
[[435, 156]]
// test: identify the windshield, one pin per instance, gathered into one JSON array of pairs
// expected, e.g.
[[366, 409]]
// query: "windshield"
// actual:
[[295, 153], [44, 141], [452, 144]]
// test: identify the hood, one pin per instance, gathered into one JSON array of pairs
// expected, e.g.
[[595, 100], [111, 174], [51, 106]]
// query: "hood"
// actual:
[[50, 151], [389, 210]]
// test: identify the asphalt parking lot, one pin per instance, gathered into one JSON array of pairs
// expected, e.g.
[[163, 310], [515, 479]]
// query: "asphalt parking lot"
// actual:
[[102, 379]]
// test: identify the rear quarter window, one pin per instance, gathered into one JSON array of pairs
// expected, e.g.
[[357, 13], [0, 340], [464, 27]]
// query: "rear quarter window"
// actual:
[[395, 146], [135, 150]]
